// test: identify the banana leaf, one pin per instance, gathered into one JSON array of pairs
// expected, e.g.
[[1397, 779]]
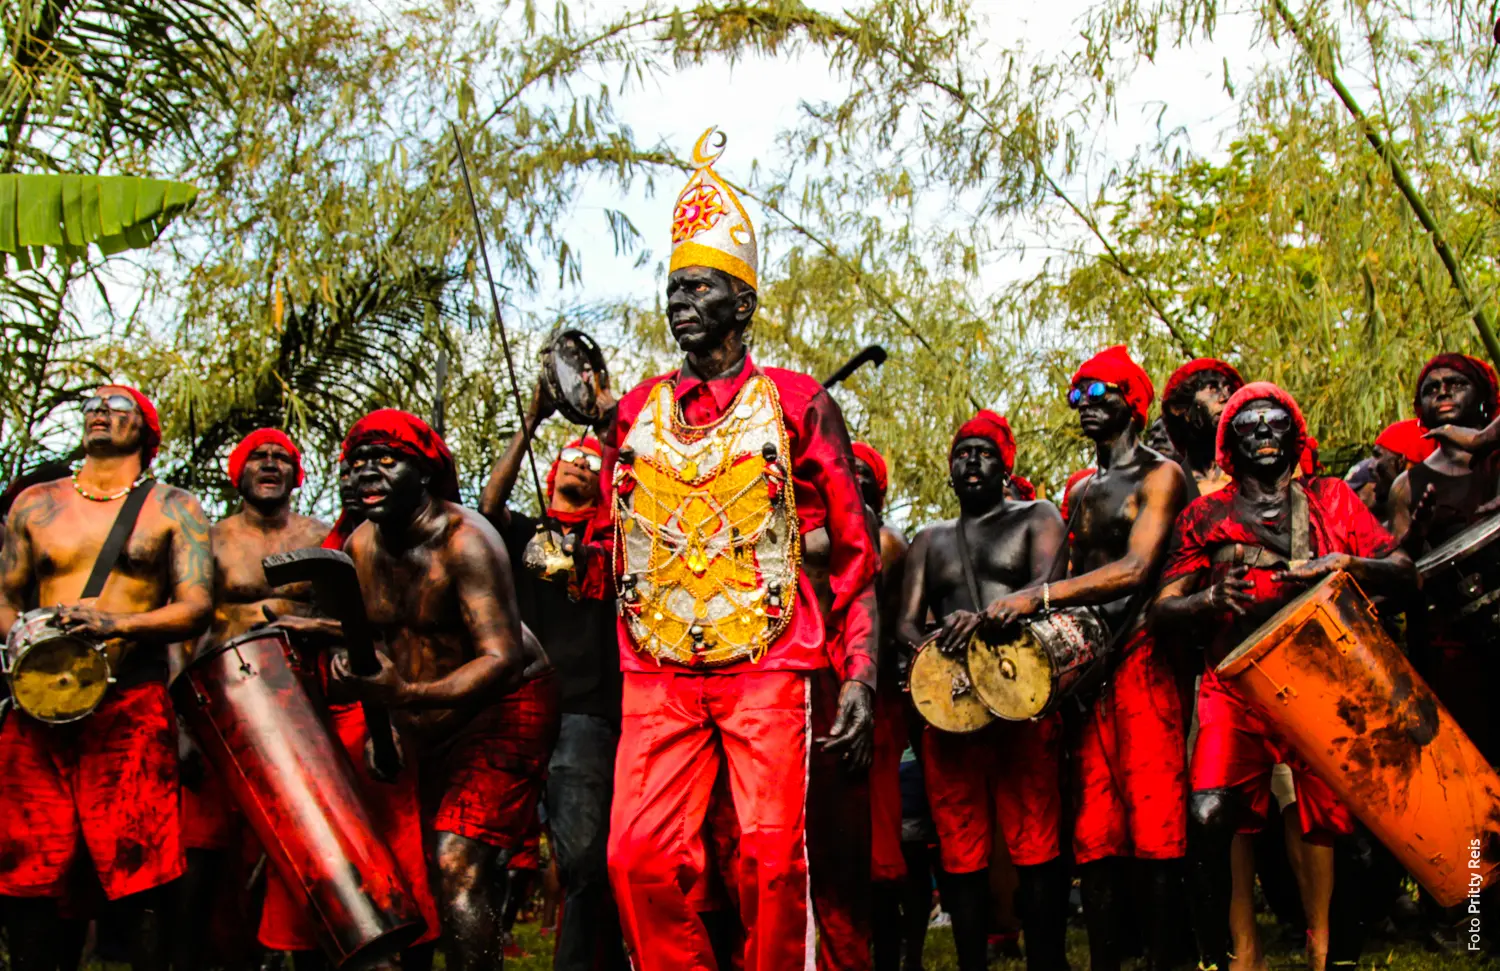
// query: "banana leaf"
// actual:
[[66, 213]]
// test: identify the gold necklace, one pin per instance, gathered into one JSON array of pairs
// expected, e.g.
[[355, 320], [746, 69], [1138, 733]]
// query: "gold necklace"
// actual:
[[77, 487]]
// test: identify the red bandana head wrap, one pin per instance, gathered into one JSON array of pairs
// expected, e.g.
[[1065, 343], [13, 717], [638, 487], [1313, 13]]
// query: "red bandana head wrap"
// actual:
[[987, 424], [253, 441], [866, 453], [1405, 439], [1181, 375], [1224, 453], [1114, 366], [1477, 371], [1023, 488], [150, 423], [588, 444], [411, 436]]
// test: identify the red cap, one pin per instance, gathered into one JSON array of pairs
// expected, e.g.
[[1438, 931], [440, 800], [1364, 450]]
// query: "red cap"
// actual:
[[1025, 491], [866, 453], [151, 427], [1114, 366], [1224, 455], [1472, 368], [410, 435], [253, 441], [1198, 366], [987, 424], [1405, 439]]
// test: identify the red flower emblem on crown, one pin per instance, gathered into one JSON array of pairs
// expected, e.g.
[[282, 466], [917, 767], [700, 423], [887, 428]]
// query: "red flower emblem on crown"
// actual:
[[699, 208]]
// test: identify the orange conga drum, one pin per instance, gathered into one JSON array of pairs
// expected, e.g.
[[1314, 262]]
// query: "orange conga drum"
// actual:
[[1342, 694]]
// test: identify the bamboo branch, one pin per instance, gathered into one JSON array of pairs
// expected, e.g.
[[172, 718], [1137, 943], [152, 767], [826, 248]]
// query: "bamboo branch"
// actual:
[[1323, 64]]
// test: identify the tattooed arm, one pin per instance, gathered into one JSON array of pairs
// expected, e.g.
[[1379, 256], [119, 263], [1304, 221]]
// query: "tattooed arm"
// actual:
[[15, 560], [191, 608]]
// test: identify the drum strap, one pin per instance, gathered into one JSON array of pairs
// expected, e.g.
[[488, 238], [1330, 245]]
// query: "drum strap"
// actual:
[[968, 565], [114, 544]]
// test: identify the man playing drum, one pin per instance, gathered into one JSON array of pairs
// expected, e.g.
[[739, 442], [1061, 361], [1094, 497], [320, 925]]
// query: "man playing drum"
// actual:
[[107, 785], [479, 699], [714, 471], [1238, 556], [1129, 757], [1431, 503], [1006, 774]]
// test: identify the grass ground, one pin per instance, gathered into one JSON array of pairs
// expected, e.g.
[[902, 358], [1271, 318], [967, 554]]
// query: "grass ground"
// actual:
[[1385, 954]]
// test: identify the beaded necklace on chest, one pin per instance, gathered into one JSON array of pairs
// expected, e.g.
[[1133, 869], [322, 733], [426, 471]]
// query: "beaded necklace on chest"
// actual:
[[92, 497]]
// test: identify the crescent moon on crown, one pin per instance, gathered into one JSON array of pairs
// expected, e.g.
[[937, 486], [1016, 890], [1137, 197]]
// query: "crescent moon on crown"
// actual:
[[705, 155]]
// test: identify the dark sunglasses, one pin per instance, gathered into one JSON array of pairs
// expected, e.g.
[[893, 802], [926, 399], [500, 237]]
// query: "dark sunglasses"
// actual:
[[115, 402], [1276, 419], [1093, 391], [579, 457]]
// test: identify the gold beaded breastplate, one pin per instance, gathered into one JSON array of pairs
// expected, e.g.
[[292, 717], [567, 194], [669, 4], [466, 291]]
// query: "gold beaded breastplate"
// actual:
[[707, 525]]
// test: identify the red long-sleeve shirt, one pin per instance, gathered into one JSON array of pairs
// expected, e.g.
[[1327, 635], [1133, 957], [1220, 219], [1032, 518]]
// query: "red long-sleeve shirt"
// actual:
[[826, 492]]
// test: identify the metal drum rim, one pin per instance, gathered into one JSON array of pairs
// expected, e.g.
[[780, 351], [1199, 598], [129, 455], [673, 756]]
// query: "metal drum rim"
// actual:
[[1447, 554], [931, 643], [1036, 648], [236, 641], [549, 351], [1255, 646], [10, 666]]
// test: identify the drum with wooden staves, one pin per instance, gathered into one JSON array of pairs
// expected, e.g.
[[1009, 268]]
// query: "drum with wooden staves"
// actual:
[[1051, 657], [1335, 686], [54, 676], [1461, 579], [573, 371], [943, 692]]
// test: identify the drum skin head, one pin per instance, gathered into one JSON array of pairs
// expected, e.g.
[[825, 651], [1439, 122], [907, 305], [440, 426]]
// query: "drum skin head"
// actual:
[[934, 677], [1460, 547], [59, 679], [1013, 679]]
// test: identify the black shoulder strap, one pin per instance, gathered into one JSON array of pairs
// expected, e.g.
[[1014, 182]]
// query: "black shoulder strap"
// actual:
[[1060, 558], [1301, 523], [968, 564], [109, 554]]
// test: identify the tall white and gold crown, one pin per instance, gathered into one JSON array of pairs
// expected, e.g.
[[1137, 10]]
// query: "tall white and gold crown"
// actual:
[[709, 225]]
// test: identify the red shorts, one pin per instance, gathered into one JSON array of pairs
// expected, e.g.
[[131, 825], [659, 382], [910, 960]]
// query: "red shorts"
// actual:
[[1131, 763], [489, 782], [1006, 775], [110, 779], [210, 819], [395, 811], [1236, 749], [886, 862]]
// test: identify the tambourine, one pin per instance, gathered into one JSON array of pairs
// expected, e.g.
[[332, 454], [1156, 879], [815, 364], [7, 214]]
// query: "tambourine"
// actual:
[[569, 359]]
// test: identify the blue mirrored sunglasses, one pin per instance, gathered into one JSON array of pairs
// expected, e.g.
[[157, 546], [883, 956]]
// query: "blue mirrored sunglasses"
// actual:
[[1093, 391]]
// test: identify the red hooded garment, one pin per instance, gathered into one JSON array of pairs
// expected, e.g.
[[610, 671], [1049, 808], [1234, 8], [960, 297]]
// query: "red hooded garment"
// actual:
[[151, 431], [1405, 439], [986, 424], [253, 441], [1474, 369], [1224, 450], [411, 436], [588, 444], [1114, 366], [866, 453]]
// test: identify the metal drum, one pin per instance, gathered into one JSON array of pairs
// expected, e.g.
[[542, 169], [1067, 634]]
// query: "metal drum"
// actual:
[[54, 676], [1052, 657], [569, 358], [944, 694], [1338, 689], [261, 733], [1461, 578]]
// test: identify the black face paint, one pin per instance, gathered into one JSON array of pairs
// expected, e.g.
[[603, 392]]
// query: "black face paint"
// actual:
[[869, 489], [1448, 397], [269, 475], [977, 472], [703, 309], [1105, 416], [1265, 437], [389, 486]]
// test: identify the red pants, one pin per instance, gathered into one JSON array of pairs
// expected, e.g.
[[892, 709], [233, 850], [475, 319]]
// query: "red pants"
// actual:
[[107, 784], [1005, 776], [209, 818], [1131, 763], [395, 811], [886, 863], [676, 730], [490, 780], [1236, 748]]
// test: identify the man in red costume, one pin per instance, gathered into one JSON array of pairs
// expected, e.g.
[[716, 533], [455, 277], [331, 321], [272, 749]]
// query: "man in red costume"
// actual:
[[578, 634], [103, 791], [1005, 778], [1191, 403], [1240, 554], [1130, 755], [475, 699], [714, 471]]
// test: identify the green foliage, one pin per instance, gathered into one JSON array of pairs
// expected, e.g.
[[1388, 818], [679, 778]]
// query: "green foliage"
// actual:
[[68, 212]]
